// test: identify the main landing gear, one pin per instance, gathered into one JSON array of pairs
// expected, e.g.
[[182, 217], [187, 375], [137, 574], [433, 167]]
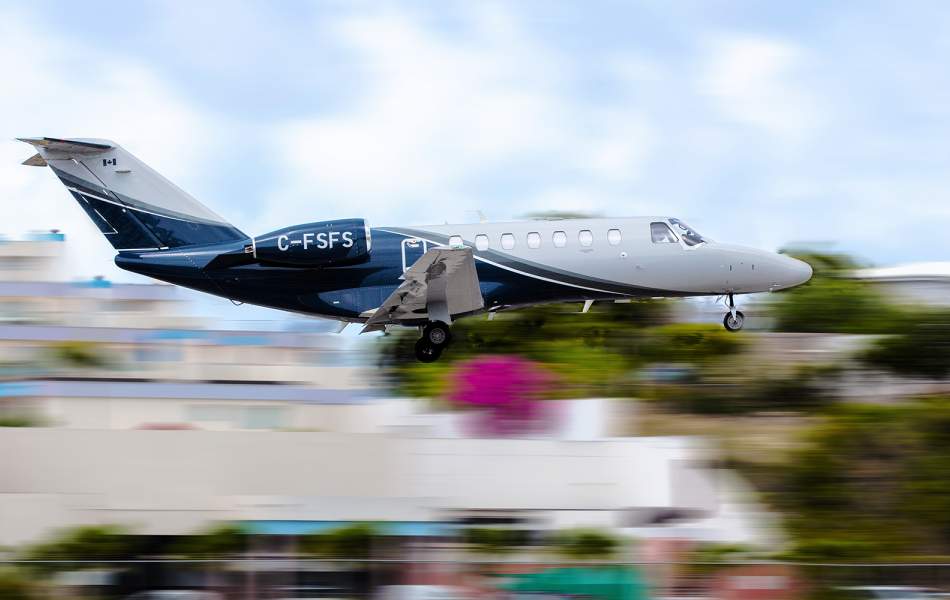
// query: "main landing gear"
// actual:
[[435, 337], [734, 319]]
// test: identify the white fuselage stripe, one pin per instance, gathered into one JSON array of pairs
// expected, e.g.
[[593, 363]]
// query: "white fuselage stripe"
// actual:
[[119, 204], [513, 270]]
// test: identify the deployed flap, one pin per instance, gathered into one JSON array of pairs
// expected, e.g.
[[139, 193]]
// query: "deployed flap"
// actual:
[[442, 283]]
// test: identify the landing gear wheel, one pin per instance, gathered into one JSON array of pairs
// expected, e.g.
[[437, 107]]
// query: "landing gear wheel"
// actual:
[[437, 334], [734, 323], [426, 352]]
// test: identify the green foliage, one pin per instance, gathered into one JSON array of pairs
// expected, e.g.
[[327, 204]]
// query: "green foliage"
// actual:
[[871, 481], [824, 264], [96, 543], [833, 305], [20, 421], [727, 391], [78, 354], [689, 343], [586, 544], [721, 553], [220, 541], [350, 542], [922, 348], [593, 353], [15, 585], [710, 557], [819, 550], [494, 540]]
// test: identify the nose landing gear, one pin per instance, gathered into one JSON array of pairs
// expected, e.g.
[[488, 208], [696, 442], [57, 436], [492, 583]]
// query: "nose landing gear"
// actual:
[[435, 337], [734, 319]]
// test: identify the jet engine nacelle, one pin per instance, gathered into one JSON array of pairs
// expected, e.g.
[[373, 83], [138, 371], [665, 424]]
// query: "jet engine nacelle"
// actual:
[[327, 243]]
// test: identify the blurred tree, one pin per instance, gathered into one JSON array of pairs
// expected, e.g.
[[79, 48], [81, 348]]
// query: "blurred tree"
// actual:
[[220, 541], [724, 390], [833, 303], [15, 585], [871, 481], [21, 421], [688, 343], [78, 354], [593, 353], [585, 544], [94, 544], [349, 542], [922, 348], [494, 540]]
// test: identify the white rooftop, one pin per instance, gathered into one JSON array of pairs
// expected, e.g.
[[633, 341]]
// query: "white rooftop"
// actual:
[[911, 271]]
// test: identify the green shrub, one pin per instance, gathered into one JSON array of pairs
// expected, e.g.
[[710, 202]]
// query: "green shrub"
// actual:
[[492, 540], [586, 544], [350, 542]]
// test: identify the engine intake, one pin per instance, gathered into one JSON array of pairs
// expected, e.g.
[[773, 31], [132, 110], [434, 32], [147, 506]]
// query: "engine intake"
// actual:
[[327, 243]]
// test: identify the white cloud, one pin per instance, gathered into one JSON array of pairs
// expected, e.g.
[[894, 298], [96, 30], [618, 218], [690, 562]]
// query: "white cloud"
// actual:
[[65, 88], [438, 112], [753, 81]]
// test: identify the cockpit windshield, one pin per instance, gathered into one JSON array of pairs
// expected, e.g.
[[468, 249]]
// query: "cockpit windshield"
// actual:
[[689, 235]]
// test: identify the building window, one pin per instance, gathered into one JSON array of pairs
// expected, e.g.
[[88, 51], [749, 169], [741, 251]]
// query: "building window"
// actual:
[[585, 237], [455, 241], [662, 234], [481, 242], [560, 239], [507, 241], [534, 240], [614, 237]]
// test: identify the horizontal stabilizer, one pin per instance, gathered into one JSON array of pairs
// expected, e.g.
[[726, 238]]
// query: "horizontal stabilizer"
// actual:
[[70, 146], [35, 161]]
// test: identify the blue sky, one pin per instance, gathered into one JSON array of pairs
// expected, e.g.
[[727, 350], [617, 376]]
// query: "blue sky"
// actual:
[[760, 123]]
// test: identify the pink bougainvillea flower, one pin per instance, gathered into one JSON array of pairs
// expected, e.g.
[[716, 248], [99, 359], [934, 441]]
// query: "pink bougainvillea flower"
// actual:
[[508, 391]]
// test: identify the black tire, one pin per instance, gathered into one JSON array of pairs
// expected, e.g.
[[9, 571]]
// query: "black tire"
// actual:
[[426, 352], [437, 334], [733, 325]]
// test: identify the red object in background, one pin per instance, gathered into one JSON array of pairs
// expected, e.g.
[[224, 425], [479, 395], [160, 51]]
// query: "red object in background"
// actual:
[[508, 390], [756, 582]]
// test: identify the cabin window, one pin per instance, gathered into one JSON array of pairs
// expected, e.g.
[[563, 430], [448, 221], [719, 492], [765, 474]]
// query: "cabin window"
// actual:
[[455, 241], [662, 234], [559, 239], [507, 241], [614, 237], [585, 237], [481, 242], [534, 240]]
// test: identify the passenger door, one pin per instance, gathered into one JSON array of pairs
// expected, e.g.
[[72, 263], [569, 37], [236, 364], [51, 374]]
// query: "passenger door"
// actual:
[[412, 250]]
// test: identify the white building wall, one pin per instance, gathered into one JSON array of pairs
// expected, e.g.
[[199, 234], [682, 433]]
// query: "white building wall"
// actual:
[[172, 481]]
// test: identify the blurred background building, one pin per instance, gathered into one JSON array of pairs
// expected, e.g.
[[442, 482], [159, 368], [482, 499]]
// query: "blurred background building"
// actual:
[[123, 410]]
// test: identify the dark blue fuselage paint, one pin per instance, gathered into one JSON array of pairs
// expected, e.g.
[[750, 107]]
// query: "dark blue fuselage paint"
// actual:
[[340, 292]]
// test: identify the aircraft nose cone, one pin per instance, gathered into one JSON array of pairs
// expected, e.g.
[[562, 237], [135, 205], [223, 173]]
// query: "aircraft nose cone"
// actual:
[[794, 272]]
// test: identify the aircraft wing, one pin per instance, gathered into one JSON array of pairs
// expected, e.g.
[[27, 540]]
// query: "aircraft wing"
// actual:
[[442, 283]]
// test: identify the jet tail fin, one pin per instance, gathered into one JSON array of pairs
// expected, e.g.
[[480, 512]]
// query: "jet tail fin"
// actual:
[[134, 207]]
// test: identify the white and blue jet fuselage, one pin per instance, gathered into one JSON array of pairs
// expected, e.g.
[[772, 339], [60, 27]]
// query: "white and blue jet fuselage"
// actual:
[[425, 276]]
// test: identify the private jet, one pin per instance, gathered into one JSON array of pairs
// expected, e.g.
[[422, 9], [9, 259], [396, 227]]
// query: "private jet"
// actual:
[[383, 277]]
